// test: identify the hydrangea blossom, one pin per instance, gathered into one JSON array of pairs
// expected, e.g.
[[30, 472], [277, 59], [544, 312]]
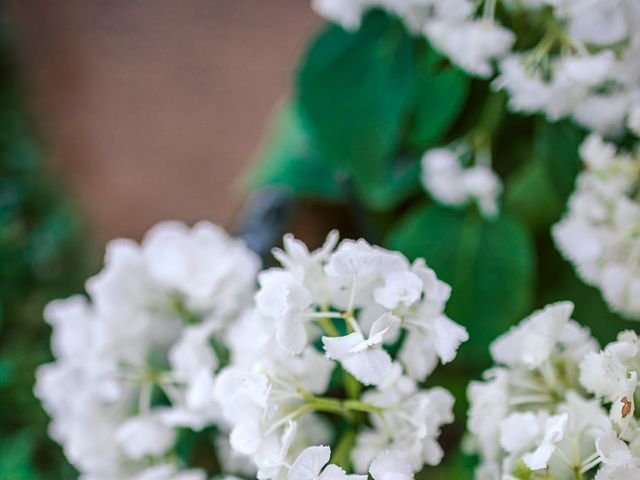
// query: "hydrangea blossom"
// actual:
[[334, 312], [583, 62], [554, 407], [448, 182], [600, 231], [312, 462], [135, 361]]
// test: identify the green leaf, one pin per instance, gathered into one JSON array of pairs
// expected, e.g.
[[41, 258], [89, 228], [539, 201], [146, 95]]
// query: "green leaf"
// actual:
[[530, 195], [556, 146], [440, 95], [354, 90], [15, 457], [287, 159], [489, 266]]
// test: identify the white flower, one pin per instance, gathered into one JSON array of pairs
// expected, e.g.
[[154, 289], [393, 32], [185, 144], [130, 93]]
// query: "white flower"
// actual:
[[441, 171], [273, 462], [606, 373], [531, 343], [618, 461], [144, 435], [483, 185], [346, 13], [532, 412], [145, 333], [599, 232], [363, 358], [554, 429], [196, 261], [278, 375], [528, 92], [390, 465], [310, 465], [489, 405], [413, 419], [285, 299], [471, 44], [402, 287], [448, 182], [430, 338], [170, 472]]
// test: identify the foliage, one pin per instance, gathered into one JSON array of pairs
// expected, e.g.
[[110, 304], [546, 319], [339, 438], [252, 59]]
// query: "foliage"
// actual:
[[42, 256]]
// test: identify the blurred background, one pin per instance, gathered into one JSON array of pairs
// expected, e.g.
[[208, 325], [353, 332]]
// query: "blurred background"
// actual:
[[113, 116], [151, 109]]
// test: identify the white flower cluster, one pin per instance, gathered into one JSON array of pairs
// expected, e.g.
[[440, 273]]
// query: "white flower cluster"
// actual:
[[448, 182], [334, 313], [600, 233], [171, 339], [554, 407], [311, 464], [136, 362], [586, 64]]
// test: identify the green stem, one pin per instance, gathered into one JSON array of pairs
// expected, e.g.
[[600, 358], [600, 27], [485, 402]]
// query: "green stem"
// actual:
[[351, 385], [328, 327], [491, 117], [342, 451], [359, 406], [327, 404], [180, 310]]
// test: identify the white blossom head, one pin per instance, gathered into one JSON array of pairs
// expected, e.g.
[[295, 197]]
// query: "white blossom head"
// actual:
[[335, 313], [136, 360]]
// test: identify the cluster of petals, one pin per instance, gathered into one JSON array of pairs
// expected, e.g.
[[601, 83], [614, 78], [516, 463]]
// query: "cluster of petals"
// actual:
[[584, 66], [134, 361], [313, 463], [448, 182], [554, 406], [334, 313], [600, 233]]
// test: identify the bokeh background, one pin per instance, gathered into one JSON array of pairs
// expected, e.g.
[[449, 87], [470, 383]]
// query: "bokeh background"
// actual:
[[151, 109]]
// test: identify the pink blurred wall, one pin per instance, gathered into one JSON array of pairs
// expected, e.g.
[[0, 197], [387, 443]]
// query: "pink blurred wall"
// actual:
[[151, 109]]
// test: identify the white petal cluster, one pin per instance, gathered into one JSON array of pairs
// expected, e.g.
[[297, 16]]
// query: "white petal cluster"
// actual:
[[554, 406], [330, 313], [312, 462], [600, 233], [135, 361], [585, 65], [448, 182]]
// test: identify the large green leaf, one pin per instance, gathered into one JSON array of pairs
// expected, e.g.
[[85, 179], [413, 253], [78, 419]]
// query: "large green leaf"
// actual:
[[530, 195], [556, 146], [440, 95], [354, 90], [489, 266], [287, 159], [15, 457]]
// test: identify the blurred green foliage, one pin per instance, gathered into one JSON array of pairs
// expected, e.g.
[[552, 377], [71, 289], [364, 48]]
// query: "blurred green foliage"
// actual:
[[367, 105], [43, 255]]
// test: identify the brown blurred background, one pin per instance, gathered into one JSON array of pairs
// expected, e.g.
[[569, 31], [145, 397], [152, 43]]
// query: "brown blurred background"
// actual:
[[152, 109]]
